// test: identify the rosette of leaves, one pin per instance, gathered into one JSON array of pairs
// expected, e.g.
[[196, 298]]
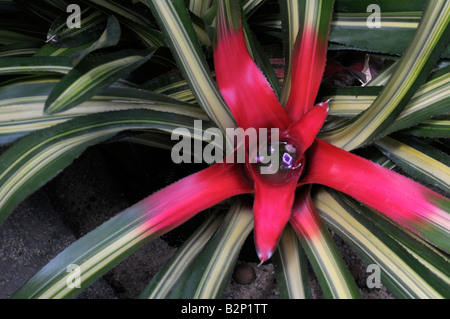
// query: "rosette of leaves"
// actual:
[[372, 134]]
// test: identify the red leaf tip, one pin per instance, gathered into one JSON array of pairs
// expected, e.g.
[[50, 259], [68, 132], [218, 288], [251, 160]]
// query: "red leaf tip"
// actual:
[[264, 253]]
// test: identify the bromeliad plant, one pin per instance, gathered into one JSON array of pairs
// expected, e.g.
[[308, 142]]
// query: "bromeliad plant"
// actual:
[[397, 223]]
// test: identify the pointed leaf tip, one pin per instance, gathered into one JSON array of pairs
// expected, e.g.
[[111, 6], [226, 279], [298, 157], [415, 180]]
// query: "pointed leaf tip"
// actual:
[[264, 254], [403, 200], [272, 210], [305, 130]]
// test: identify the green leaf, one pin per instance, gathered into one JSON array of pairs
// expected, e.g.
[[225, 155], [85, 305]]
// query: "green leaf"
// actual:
[[91, 76], [291, 267], [110, 37], [131, 12], [434, 260], [171, 84], [260, 57], [50, 50], [383, 77], [22, 104], [250, 6], [92, 25], [177, 27], [398, 23], [333, 276], [202, 31], [436, 128], [430, 100], [296, 16], [385, 39], [151, 37], [35, 159], [292, 16], [210, 273], [154, 139], [350, 29], [422, 54], [199, 7], [81, 48], [167, 277], [376, 156], [348, 102], [401, 273], [419, 160], [20, 49], [101, 249], [26, 65]]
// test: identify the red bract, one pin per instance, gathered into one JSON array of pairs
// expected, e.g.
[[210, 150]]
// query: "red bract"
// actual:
[[254, 105], [243, 86], [180, 201], [308, 65]]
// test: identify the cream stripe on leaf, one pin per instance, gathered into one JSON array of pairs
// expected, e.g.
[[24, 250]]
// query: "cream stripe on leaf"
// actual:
[[168, 276], [435, 128], [20, 49], [430, 100], [22, 104], [401, 272], [94, 254], [26, 65], [290, 17], [210, 273], [433, 259], [333, 276], [296, 16], [383, 77], [250, 6], [350, 101], [62, 36], [393, 37], [91, 76], [422, 54], [32, 161], [291, 267], [419, 160], [123, 11], [199, 7], [177, 26], [260, 57]]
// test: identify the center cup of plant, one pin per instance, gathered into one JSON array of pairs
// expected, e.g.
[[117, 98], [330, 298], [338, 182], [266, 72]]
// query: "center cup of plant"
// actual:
[[276, 162]]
